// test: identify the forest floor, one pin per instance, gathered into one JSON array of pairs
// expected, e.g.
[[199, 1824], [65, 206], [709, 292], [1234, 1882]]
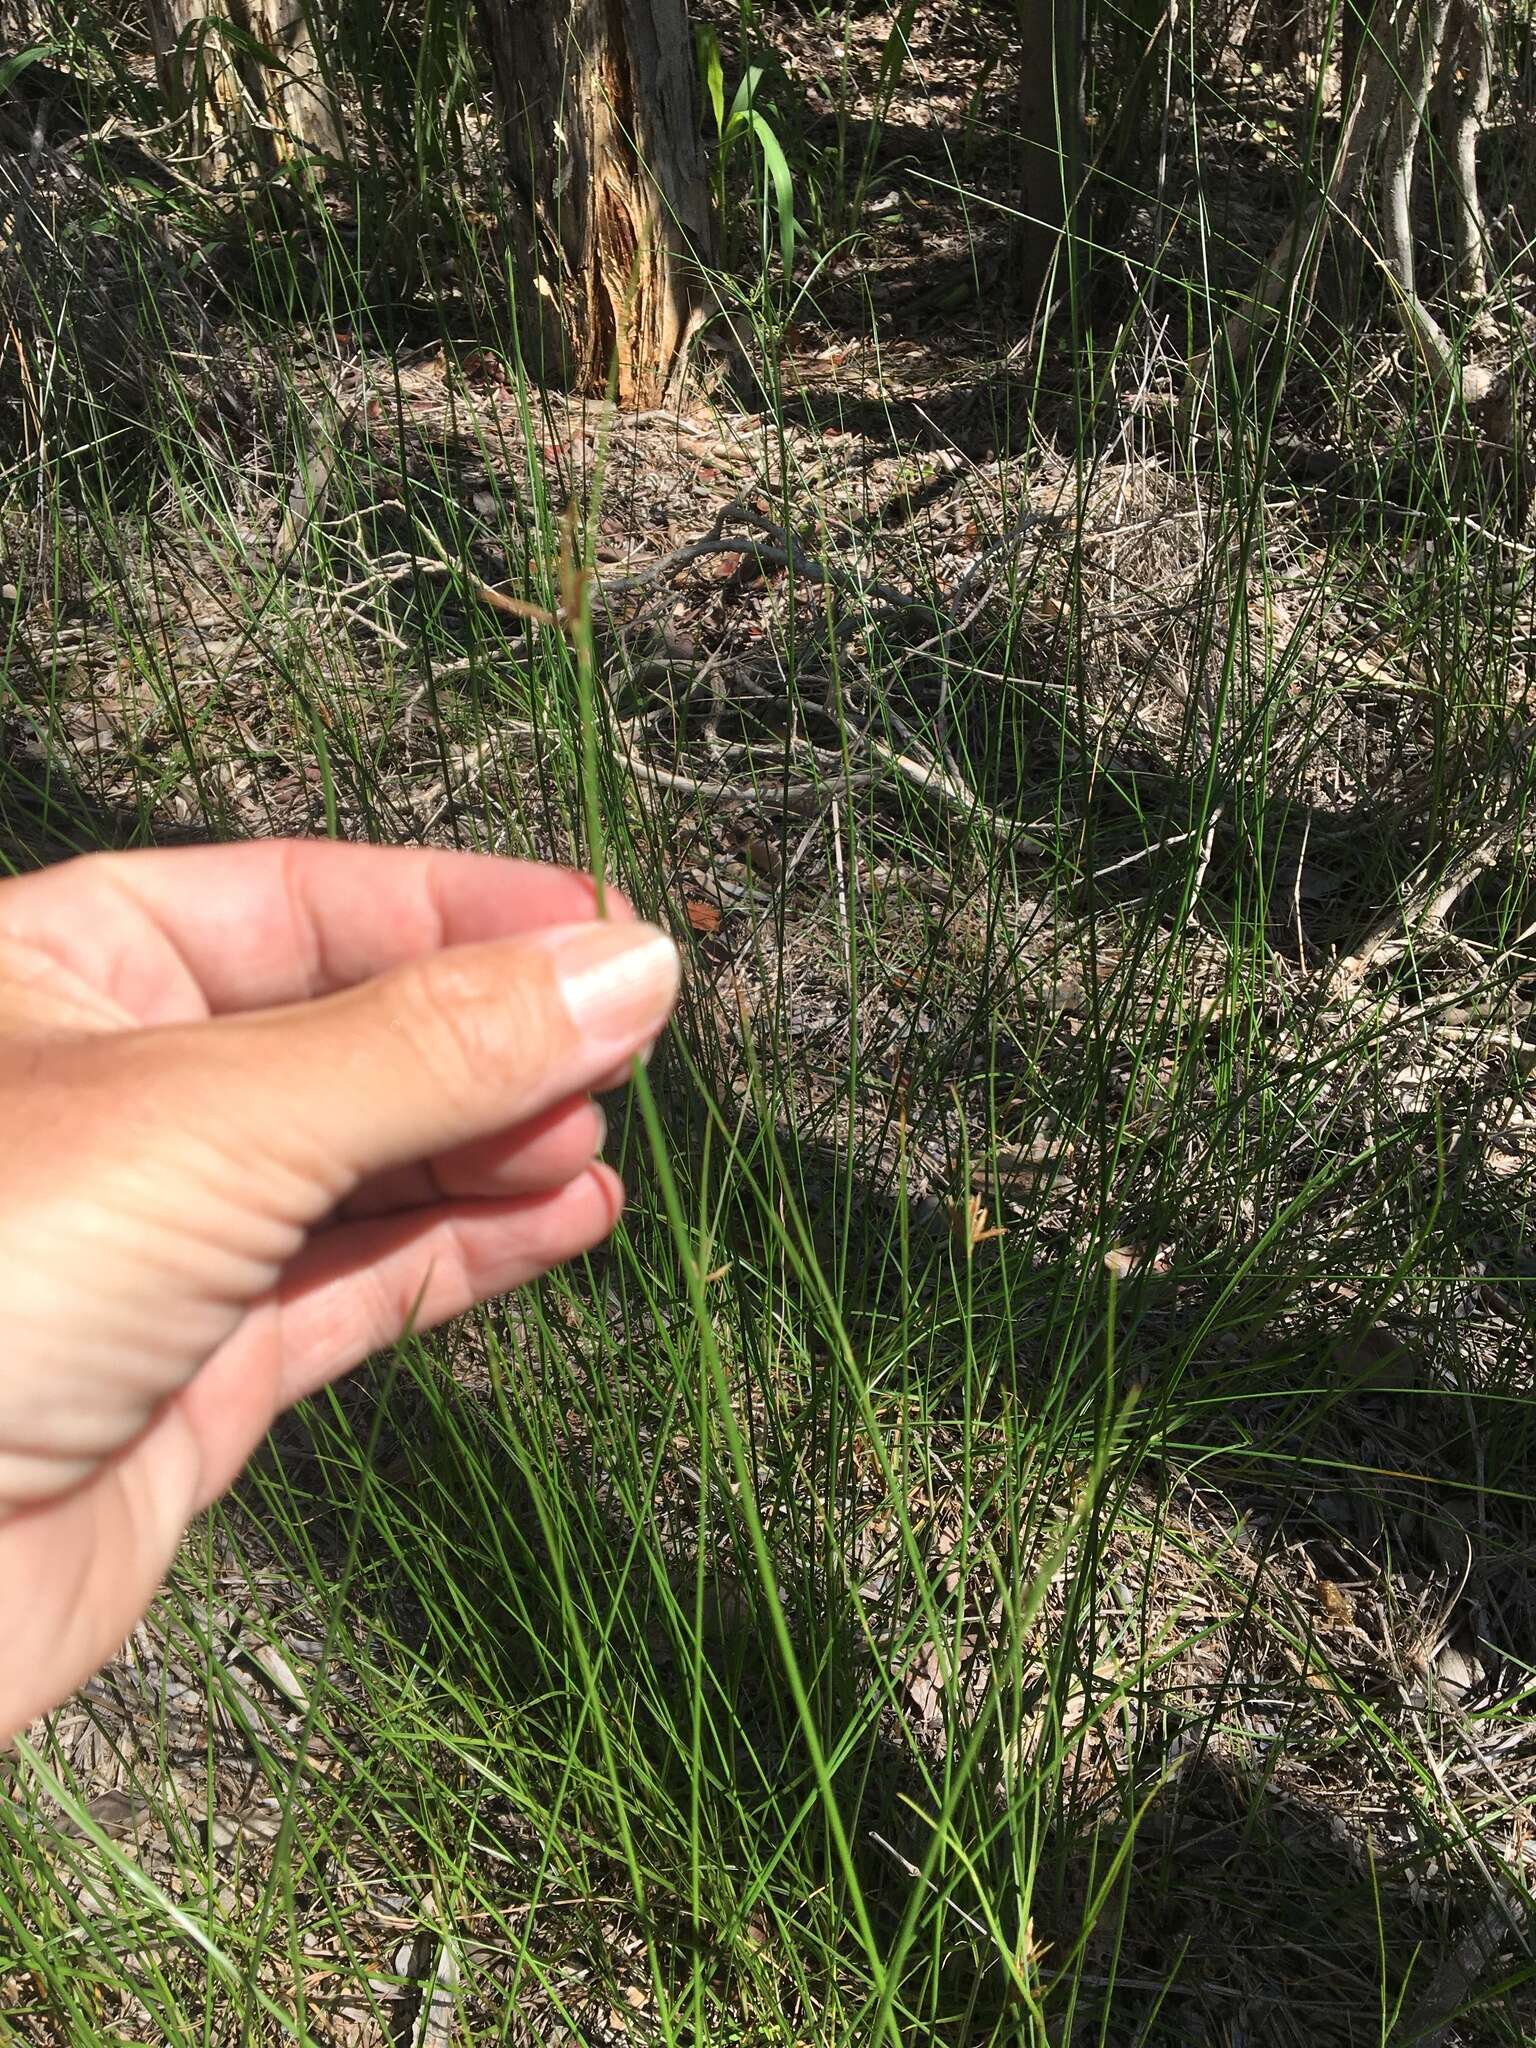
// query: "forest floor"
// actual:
[[1104, 873]]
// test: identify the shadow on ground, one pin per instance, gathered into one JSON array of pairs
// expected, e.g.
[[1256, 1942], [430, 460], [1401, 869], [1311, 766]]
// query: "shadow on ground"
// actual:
[[1196, 1899]]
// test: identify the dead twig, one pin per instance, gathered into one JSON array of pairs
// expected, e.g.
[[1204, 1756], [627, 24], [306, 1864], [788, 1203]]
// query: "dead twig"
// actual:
[[773, 554], [394, 571], [1425, 910], [1129, 860], [795, 796], [973, 573], [952, 790]]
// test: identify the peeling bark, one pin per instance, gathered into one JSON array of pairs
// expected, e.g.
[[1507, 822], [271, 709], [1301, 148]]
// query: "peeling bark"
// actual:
[[610, 197], [239, 106]]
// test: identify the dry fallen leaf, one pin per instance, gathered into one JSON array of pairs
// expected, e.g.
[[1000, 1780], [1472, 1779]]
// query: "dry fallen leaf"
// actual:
[[1338, 1608], [703, 916], [1123, 1260], [968, 1223], [1457, 1674]]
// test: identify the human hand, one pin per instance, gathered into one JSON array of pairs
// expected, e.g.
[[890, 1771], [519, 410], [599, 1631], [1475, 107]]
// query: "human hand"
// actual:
[[262, 1108]]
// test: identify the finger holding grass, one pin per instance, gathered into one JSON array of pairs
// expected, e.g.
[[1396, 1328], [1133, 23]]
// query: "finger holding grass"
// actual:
[[268, 1107]]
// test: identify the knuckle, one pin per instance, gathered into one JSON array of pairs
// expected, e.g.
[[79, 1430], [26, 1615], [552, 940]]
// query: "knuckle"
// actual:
[[471, 1027]]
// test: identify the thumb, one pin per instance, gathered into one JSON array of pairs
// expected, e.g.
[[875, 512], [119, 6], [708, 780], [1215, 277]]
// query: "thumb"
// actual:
[[450, 1047]]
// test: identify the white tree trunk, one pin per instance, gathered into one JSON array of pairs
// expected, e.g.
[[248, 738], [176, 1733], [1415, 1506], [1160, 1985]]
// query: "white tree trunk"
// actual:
[[1407, 49], [264, 111], [1419, 33]]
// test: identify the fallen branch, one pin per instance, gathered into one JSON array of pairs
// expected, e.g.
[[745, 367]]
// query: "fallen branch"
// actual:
[[966, 582], [795, 796], [781, 553], [406, 569], [984, 560], [1426, 910], [950, 789]]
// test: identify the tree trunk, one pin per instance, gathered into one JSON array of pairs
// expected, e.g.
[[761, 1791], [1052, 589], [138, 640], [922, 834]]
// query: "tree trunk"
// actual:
[[609, 192], [1050, 130], [262, 109], [1462, 93], [1399, 62], [1354, 32], [1420, 31]]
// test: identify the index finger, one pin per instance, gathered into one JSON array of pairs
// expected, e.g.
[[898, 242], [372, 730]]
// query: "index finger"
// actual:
[[187, 931]]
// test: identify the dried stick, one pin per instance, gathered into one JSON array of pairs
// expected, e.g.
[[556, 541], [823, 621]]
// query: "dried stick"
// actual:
[[1427, 908], [796, 796], [950, 789], [779, 553]]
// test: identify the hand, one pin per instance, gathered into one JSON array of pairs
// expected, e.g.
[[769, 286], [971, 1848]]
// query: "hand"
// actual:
[[263, 1108]]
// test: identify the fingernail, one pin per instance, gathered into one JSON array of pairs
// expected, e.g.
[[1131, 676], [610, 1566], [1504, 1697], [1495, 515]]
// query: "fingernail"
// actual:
[[621, 1075], [600, 1135], [618, 981]]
